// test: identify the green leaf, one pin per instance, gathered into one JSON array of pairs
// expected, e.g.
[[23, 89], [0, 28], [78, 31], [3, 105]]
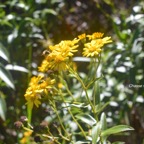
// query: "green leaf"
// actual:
[[16, 68], [86, 118], [2, 107], [6, 77], [79, 105], [5, 22], [103, 125], [48, 11], [96, 94], [4, 53], [103, 121], [96, 130], [75, 110], [116, 129]]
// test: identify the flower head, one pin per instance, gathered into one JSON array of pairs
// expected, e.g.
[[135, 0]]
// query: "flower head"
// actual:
[[44, 66], [94, 47], [66, 46], [95, 35], [37, 86], [59, 56], [82, 36]]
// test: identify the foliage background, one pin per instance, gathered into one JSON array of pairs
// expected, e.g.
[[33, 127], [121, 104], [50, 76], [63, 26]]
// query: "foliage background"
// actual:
[[27, 27]]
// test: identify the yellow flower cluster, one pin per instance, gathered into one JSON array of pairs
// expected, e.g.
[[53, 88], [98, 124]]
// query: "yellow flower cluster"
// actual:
[[94, 47], [58, 58], [37, 86]]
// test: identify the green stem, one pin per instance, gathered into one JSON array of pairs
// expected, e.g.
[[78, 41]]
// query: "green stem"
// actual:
[[29, 63], [29, 113], [55, 110], [84, 87], [52, 136], [74, 118], [77, 123], [66, 86]]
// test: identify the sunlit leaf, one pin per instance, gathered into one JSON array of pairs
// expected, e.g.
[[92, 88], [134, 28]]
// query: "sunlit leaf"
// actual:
[[96, 93], [6, 77], [79, 105], [103, 125], [116, 129], [96, 130], [2, 107], [86, 118], [103, 121], [81, 59], [49, 11], [16, 68], [4, 53]]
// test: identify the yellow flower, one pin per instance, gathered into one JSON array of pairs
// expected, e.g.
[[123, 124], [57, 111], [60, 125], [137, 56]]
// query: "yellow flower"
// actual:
[[60, 85], [95, 35], [44, 66], [94, 47], [37, 86], [59, 56], [27, 134], [82, 36], [47, 83], [58, 60], [66, 47], [106, 40]]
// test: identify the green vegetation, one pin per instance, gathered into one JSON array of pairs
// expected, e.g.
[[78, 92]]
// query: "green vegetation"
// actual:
[[115, 105]]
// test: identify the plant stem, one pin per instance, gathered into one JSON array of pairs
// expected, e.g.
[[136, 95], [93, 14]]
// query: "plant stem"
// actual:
[[55, 110], [84, 87], [29, 63], [66, 86], [52, 136], [74, 118], [29, 113]]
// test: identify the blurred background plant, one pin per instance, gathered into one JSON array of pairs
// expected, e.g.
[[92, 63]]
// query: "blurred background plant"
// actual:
[[27, 27]]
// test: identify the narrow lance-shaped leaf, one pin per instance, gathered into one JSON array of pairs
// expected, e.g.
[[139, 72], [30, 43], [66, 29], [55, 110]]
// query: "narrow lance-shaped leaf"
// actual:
[[16, 68], [2, 107], [103, 121], [96, 94], [6, 77], [49, 11], [116, 129], [86, 118], [4, 53], [82, 142], [103, 125], [96, 130]]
